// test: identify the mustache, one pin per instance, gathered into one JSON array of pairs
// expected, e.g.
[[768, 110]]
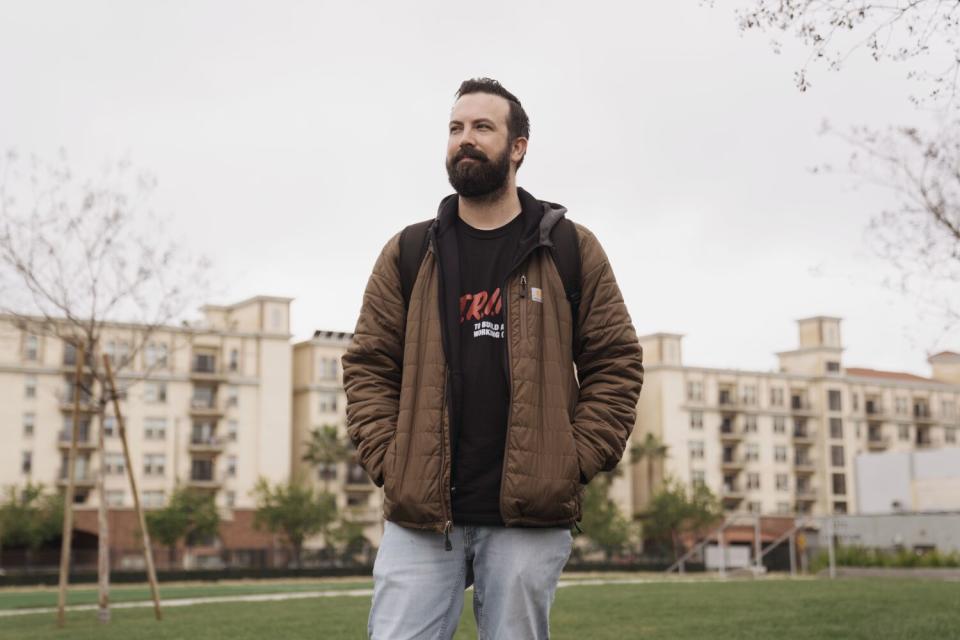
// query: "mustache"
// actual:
[[470, 152]]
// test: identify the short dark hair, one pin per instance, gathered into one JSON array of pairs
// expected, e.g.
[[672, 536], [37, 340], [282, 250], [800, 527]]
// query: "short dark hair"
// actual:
[[518, 124]]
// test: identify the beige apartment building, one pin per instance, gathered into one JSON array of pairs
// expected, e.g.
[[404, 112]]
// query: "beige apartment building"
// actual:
[[318, 401], [206, 405], [785, 442]]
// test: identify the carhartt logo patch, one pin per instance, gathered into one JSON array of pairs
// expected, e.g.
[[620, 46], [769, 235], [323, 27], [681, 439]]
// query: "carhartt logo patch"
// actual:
[[536, 294]]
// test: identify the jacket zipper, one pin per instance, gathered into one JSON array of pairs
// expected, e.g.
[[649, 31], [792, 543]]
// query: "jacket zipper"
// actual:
[[444, 437], [523, 306]]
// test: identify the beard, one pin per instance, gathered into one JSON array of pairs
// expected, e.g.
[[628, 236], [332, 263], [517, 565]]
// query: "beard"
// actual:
[[481, 178]]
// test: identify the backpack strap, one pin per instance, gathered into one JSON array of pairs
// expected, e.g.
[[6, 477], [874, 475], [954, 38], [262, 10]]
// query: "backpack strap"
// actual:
[[413, 246], [566, 255]]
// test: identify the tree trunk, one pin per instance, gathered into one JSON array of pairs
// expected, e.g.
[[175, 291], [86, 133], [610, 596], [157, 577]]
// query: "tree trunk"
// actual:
[[103, 531], [67, 536]]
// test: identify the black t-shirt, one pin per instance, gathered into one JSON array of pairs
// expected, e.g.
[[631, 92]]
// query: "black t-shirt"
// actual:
[[485, 258]]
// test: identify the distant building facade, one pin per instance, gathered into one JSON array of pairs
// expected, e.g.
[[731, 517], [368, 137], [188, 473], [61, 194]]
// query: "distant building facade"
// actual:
[[785, 442]]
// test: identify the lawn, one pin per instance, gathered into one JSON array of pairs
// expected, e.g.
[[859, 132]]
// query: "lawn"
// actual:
[[780, 609]]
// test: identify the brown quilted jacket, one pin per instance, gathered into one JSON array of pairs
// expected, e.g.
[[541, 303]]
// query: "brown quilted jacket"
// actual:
[[401, 382]]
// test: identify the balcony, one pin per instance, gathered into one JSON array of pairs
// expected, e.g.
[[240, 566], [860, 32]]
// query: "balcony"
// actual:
[[806, 494], [730, 433], [363, 515], [734, 462], [204, 367], [874, 408], [727, 400], [81, 478], [803, 466], [800, 405], [85, 441], [203, 407], [204, 481], [357, 478], [921, 413], [877, 442], [211, 445], [804, 436]]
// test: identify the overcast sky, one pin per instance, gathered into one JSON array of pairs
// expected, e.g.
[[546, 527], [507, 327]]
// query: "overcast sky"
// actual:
[[292, 139]]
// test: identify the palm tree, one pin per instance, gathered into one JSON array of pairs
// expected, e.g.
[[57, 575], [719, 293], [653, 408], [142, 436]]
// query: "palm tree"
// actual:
[[651, 450], [326, 447]]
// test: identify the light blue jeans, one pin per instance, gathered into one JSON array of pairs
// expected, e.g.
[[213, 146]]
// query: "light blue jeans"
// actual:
[[419, 586]]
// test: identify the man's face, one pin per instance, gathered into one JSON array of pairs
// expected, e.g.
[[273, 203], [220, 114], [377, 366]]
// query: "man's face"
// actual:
[[478, 154]]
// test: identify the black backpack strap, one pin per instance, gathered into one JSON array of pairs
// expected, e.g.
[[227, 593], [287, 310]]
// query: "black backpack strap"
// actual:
[[566, 255], [413, 246]]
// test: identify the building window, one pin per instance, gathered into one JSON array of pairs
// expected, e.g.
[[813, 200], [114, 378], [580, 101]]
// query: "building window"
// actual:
[[749, 424], [834, 400], [114, 498], [696, 420], [780, 453], [31, 348], [836, 428], [231, 499], [118, 352], [696, 449], [234, 360], [754, 507], [355, 499], [152, 499], [840, 507], [833, 366], [114, 463], [326, 368], [29, 421], [901, 405], [233, 396], [750, 395], [327, 471], [779, 424], [783, 508], [231, 466], [26, 462], [698, 478], [903, 432], [328, 402], [109, 426], [204, 397], [155, 355], [839, 484], [776, 397], [947, 409], [695, 391], [752, 453], [836, 455], [155, 392], [154, 464], [855, 401], [233, 428], [30, 387], [753, 481], [950, 435], [783, 482], [155, 428]]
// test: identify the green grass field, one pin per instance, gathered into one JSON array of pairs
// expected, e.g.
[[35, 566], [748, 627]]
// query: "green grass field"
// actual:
[[778, 609]]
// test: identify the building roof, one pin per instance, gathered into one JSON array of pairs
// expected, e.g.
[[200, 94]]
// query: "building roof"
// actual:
[[885, 375], [944, 356]]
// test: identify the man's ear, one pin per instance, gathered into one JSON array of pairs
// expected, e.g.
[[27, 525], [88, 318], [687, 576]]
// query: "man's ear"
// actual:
[[518, 150]]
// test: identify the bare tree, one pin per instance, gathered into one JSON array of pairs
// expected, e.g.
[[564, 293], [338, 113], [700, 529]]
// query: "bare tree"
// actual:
[[925, 33], [81, 258], [919, 235]]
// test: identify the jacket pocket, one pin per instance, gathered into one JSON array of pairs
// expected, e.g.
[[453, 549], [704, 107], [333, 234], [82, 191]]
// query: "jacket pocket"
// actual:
[[389, 465]]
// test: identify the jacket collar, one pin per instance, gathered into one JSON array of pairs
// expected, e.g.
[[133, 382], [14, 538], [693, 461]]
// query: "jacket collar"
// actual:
[[539, 218]]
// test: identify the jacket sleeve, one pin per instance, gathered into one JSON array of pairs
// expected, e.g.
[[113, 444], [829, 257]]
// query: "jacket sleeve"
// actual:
[[609, 363], [373, 364]]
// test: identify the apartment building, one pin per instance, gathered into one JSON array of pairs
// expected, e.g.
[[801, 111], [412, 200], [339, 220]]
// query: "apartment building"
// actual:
[[785, 441], [319, 401], [206, 405]]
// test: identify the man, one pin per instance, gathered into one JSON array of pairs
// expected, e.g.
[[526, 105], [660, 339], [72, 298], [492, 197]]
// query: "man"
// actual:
[[462, 397]]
